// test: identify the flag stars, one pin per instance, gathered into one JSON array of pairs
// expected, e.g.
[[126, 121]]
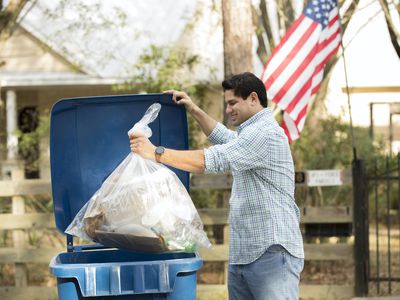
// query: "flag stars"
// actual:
[[318, 10]]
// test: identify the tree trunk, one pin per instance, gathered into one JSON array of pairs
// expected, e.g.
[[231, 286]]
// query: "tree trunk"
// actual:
[[262, 26], [9, 15], [285, 14], [394, 34], [238, 34]]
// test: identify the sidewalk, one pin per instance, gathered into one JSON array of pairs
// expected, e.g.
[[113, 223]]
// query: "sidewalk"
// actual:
[[378, 298]]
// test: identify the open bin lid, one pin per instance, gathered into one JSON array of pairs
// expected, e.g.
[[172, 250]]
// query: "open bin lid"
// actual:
[[88, 140]]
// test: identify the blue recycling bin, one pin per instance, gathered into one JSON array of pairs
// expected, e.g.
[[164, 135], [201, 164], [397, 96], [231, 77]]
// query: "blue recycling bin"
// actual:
[[88, 140]]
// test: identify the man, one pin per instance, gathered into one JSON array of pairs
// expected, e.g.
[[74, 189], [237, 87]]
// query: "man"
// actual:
[[266, 248]]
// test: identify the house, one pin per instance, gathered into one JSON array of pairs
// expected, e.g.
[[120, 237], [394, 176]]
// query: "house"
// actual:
[[32, 77], [50, 57]]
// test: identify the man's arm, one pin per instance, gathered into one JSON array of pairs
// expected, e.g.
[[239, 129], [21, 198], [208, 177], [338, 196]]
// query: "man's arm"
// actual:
[[206, 122], [187, 160]]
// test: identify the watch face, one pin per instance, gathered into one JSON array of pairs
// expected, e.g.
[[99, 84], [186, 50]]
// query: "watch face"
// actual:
[[160, 150]]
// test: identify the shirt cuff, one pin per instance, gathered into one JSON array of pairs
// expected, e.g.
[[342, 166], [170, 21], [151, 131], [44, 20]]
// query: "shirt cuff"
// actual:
[[217, 133], [214, 160], [209, 160]]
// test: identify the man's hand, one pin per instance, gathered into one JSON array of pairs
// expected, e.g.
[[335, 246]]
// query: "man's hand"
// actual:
[[182, 98], [142, 146]]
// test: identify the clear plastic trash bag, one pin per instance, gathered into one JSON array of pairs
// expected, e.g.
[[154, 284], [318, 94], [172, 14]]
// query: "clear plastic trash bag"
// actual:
[[141, 206]]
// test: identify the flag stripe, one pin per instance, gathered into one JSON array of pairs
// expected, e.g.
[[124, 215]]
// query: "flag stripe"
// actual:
[[301, 115], [333, 18], [332, 38], [292, 57], [324, 54], [278, 49], [295, 68], [293, 93], [316, 80], [284, 50], [300, 96], [316, 84], [291, 127], [285, 129]]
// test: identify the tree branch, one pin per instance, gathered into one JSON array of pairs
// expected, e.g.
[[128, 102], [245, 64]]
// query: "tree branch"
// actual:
[[261, 48], [394, 34]]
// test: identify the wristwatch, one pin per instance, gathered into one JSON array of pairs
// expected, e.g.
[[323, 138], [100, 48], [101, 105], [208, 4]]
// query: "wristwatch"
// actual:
[[158, 152]]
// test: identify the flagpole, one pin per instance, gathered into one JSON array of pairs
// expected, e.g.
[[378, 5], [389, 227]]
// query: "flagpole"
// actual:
[[349, 105]]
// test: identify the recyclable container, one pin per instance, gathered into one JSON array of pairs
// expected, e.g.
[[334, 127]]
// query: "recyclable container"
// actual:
[[88, 140]]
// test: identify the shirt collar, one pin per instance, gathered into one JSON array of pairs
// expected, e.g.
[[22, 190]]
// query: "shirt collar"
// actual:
[[253, 119]]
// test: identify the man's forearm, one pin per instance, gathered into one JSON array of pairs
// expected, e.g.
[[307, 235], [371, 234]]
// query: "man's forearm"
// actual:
[[206, 122], [187, 160]]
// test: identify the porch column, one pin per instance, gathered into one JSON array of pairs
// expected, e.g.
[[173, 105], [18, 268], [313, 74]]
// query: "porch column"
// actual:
[[11, 112], [17, 174]]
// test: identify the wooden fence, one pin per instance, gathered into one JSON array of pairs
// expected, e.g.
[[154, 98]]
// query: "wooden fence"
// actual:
[[20, 254]]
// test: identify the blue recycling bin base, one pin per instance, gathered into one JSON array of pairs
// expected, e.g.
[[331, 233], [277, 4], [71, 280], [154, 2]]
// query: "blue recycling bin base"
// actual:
[[118, 274]]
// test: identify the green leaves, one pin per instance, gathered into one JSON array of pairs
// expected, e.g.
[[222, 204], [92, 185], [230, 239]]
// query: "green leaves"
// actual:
[[328, 145]]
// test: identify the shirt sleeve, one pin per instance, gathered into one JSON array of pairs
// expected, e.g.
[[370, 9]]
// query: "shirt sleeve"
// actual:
[[246, 152], [221, 135]]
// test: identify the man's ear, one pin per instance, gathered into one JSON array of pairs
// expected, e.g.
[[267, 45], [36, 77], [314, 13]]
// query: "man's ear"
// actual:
[[254, 98]]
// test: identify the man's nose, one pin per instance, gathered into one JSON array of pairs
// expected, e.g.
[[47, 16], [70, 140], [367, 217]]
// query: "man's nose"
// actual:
[[228, 109]]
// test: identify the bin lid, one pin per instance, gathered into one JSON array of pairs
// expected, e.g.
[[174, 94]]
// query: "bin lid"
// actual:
[[88, 140]]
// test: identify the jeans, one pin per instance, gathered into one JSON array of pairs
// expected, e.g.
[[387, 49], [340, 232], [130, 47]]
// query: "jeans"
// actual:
[[273, 276]]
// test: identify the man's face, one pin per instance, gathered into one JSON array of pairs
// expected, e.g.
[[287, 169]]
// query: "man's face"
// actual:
[[237, 109]]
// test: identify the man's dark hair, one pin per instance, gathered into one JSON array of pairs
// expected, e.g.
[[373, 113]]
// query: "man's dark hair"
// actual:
[[244, 84]]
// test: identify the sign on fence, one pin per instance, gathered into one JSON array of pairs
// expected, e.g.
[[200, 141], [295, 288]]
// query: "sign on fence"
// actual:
[[324, 178]]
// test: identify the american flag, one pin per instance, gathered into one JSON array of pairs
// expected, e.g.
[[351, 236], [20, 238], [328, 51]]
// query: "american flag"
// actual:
[[295, 69]]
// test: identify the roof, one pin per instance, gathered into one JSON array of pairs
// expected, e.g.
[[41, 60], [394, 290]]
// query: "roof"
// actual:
[[106, 51], [29, 79]]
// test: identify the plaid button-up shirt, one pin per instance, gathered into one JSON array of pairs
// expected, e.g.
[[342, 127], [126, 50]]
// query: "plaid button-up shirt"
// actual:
[[262, 211]]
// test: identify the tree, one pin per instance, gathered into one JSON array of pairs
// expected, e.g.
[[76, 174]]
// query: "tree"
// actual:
[[393, 32], [238, 33], [329, 146], [8, 17]]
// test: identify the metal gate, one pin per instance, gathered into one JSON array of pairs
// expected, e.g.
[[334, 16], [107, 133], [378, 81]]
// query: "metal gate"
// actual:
[[377, 226]]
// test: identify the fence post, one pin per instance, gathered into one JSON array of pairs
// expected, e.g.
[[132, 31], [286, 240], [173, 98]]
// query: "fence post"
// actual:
[[360, 219], [226, 242], [19, 236], [225, 232]]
